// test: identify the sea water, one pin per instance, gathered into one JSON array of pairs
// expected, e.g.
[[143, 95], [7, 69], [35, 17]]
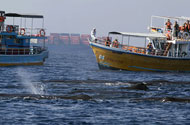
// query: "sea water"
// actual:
[[70, 89]]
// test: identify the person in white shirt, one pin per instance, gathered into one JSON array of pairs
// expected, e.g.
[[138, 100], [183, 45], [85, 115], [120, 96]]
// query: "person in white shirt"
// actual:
[[93, 34]]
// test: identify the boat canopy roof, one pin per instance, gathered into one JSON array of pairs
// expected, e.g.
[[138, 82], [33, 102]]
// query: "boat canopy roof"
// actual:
[[150, 35], [174, 18], [2, 11], [23, 15]]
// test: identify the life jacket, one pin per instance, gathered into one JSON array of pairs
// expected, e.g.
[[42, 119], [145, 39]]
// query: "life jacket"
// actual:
[[2, 19], [107, 43]]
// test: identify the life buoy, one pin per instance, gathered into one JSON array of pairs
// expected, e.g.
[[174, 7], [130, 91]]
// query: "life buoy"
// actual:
[[9, 28], [184, 54], [42, 32], [22, 31], [186, 35]]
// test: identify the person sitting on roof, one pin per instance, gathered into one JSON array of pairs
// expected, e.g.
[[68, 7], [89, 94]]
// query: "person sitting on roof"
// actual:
[[149, 48], [168, 25], [107, 42], [2, 20], [93, 34], [115, 43], [176, 29]]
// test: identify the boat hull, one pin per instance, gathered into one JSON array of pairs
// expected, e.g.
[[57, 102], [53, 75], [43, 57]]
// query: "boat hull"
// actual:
[[115, 58], [16, 60]]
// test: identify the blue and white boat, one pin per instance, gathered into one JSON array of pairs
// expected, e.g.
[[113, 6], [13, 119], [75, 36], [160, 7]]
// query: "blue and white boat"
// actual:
[[16, 46]]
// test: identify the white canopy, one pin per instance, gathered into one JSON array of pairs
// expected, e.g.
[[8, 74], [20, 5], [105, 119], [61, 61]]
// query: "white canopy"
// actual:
[[174, 18], [149, 35]]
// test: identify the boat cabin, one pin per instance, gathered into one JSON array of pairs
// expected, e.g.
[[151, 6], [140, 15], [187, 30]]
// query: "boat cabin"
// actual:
[[177, 37], [16, 35]]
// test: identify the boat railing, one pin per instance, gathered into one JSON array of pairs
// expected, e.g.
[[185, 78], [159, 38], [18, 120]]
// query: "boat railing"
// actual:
[[32, 31], [143, 50], [37, 32], [156, 52], [22, 51]]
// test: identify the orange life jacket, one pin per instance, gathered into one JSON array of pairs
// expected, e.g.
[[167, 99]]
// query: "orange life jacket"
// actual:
[[2, 19], [107, 43]]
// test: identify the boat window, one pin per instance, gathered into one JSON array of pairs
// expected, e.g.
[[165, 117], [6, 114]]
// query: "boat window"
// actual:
[[162, 45], [10, 37], [158, 43], [17, 41]]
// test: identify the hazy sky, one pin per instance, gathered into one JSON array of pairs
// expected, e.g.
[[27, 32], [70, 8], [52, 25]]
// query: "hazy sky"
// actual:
[[80, 16]]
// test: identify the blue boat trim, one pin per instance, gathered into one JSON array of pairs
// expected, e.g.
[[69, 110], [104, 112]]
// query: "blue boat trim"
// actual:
[[158, 70]]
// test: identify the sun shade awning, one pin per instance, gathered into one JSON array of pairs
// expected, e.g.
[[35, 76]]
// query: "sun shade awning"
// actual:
[[150, 35], [23, 15], [174, 18], [2, 11]]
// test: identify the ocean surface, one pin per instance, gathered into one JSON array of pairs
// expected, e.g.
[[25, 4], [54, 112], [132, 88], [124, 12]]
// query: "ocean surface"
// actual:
[[70, 89]]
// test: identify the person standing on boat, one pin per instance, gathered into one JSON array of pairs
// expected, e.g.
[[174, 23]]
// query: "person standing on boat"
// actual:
[[2, 20], [168, 25], [93, 34], [176, 29]]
